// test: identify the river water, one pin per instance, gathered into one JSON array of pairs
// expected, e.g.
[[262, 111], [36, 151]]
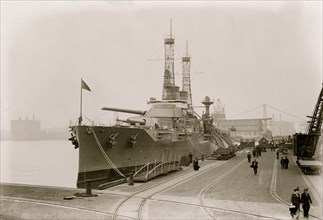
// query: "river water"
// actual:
[[48, 163]]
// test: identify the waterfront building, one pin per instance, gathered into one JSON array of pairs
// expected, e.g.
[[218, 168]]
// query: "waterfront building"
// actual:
[[25, 129]]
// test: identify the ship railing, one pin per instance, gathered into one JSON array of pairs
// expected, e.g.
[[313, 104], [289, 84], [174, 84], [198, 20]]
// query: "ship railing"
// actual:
[[153, 169], [163, 168], [144, 169], [91, 123], [101, 122]]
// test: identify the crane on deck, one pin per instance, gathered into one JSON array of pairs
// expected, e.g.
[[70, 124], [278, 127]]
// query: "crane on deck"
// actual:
[[306, 145]]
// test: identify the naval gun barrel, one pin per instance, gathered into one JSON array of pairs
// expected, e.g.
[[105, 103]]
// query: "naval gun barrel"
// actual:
[[133, 121], [131, 111]]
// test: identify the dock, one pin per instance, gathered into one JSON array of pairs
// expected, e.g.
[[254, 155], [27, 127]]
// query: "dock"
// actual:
[[219, 190]]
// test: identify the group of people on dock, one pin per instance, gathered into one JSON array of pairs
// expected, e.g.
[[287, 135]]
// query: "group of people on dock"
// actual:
[[297, 200], [256, 151], [284, 162]]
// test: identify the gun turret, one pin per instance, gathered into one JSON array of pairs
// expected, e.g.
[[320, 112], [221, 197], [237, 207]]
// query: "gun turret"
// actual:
[[131, 111]]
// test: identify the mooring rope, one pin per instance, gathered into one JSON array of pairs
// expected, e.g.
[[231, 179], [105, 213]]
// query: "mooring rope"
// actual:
[[106, 156]]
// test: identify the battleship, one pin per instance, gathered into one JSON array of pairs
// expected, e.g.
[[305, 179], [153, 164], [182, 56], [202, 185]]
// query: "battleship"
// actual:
[[166, 136]]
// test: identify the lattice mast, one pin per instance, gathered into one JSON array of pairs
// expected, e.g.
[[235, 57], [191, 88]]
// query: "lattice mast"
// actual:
[[169, 79], [186, 80]]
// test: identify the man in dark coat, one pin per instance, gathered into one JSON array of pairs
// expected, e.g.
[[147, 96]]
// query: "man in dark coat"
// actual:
[[295, 200], [196, 164], [254, 165], [306, 200], [286, 162], [249, 156], [282, 164]]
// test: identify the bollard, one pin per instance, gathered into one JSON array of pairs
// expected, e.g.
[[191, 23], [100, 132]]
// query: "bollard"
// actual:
[[88, 187], [131, 179], [202, 157]]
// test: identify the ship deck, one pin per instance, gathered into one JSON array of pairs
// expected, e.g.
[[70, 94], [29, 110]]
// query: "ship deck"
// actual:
[[219, 190]]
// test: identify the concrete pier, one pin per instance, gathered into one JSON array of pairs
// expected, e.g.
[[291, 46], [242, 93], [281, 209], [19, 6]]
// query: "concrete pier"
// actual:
[[219, 190]]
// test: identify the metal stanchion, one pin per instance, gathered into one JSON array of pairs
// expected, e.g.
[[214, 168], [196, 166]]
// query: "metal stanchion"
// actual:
[[131, 179], [88, 187]]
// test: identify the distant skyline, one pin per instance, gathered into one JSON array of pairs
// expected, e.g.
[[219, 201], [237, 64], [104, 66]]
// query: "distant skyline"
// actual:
[[250, 53]]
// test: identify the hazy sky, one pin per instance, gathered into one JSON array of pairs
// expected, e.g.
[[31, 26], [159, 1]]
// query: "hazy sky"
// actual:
[[250, 53]]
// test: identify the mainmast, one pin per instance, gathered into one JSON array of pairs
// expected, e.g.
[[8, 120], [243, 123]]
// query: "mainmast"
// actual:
[[186, 81]]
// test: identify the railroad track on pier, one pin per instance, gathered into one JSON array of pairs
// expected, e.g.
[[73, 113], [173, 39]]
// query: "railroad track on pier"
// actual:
[[110, 214], [217, 180], [156, 191], [145, 199], [146, 195], [272, 192], [200, 198]]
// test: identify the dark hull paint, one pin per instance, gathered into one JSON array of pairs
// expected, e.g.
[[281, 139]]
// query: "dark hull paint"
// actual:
[[99, 177], [151, 145]]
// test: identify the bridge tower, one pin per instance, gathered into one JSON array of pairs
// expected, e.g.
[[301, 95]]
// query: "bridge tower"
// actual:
[[265, 116]]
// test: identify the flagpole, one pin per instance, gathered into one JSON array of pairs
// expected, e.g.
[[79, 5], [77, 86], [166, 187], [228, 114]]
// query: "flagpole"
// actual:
[[83, 86], [80, 119]]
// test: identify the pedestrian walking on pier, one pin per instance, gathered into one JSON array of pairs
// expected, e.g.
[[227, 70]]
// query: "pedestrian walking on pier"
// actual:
[[282, 165], [306, 200], [277, 154], [196, 164], [286, 162], [295, 201], [249, 157], [254, 165]]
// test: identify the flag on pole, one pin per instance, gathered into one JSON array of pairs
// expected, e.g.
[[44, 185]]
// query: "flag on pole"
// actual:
[[85, 86]]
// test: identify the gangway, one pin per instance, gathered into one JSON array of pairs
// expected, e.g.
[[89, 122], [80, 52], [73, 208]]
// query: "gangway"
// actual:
[[218, 140], [154, 169]]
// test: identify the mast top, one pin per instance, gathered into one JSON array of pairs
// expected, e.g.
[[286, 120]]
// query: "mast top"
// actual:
[[171, 28], [186, 48], [169, 39], [186, 58]]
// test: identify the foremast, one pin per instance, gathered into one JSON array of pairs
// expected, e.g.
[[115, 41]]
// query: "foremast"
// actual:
[[169, 88]]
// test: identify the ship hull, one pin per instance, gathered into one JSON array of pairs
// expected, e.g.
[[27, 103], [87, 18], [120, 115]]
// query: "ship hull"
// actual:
[[103, 149]]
